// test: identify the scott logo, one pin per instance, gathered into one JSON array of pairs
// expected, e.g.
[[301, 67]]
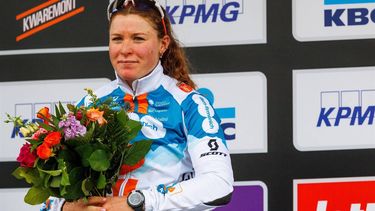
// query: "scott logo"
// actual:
[[213, 145], [203, 13]]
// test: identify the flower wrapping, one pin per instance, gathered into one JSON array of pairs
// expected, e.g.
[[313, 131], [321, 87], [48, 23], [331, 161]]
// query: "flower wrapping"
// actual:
[[77, 153]]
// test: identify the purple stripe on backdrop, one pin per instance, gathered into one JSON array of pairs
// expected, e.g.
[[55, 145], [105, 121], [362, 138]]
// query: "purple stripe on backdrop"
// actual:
[[246, 198]]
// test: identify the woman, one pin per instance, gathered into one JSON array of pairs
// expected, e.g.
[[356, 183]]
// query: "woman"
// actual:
[[188, 166]]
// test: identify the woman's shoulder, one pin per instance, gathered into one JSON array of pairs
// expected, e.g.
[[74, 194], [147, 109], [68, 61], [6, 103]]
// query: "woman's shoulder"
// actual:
[[179, 90]]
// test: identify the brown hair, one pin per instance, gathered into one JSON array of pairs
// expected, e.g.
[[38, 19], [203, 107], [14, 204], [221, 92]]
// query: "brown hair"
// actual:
[[174, 60]]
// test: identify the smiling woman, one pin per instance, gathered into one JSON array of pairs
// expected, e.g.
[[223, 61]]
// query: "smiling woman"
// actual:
[[152, 77], [134, 47]]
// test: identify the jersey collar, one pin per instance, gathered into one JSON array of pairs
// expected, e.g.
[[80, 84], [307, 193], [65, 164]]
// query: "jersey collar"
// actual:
[[143, 85]]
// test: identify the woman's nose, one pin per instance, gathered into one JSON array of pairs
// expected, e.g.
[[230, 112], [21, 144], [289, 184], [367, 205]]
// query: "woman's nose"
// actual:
[[126, 47]]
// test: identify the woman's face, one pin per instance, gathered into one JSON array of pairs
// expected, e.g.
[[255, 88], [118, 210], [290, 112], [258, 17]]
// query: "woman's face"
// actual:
[[134, 47]]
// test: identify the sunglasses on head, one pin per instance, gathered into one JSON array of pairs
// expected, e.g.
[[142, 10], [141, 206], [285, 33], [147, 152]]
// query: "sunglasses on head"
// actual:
[[139, 4], [143, 5]]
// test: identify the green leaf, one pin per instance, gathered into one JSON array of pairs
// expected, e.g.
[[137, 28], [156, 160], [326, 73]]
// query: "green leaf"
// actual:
[[45, 126], [99, 160], [64, 171], [56, 182], [64, 190], [46, 180], [62, 109], [51, 172], [85, 152], [134, 127], [76, 175], [87, 186], [122, 117], [71, 107], [137, 152], [72, 192], [57, 112], [65, 178], [68, 155], [55, 121], [101, 181], [37, 195], [30, 175]]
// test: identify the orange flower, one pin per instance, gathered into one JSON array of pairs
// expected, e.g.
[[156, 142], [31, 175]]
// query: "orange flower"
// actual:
[[95, 115], [44, 114], [44, 151], [52, 139]]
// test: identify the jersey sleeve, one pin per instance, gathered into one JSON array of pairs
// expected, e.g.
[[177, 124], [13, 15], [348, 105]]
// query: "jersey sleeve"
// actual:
[[52, 204], [212, 184]]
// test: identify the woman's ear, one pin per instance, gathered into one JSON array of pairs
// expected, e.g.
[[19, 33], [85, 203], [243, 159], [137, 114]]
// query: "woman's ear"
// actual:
[[164, 43]]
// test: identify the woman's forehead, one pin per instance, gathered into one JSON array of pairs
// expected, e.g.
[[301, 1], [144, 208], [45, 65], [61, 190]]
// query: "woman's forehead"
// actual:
[[131, 22]]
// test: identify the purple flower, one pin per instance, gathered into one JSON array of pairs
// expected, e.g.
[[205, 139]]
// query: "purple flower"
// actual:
[[72, 127]]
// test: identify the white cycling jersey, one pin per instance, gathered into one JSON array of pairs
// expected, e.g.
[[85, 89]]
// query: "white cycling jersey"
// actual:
[[188, 166]]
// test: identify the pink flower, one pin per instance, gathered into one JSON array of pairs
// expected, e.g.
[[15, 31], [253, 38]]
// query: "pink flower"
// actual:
[[36, 135], [26, 157]]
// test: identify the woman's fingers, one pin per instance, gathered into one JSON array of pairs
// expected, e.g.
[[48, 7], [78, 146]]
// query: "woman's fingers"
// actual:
[[96, 200], [94, 204]]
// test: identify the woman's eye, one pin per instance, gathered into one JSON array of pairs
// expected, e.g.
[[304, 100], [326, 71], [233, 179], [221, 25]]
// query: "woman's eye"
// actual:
[[116, 38], [139, 38]]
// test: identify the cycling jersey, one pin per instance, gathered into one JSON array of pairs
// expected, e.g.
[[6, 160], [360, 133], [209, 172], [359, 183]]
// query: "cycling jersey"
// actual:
[[188, 166]]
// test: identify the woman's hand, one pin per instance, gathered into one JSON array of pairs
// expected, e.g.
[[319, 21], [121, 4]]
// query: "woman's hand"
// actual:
[[117, 204], [94, 203]]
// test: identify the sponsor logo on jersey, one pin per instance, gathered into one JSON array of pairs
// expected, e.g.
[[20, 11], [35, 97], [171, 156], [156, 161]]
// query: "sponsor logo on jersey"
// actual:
[[338, 194], [350, 108], [151, 127], [186, 176], [170, 189], [209, 124], [184, 87], [214, 146], [46, 15], [227, 115]]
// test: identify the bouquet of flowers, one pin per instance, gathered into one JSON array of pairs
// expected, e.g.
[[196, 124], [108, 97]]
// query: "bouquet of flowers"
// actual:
[[79, 153]]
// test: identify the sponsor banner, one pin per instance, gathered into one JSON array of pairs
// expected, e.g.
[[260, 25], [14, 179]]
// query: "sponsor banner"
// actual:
[[335, 194], [218, 22], [29, 24], [248, 196], [82, 26], [334, 108], [26, 98], [240, 100], [12, 199], [333, 19]]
